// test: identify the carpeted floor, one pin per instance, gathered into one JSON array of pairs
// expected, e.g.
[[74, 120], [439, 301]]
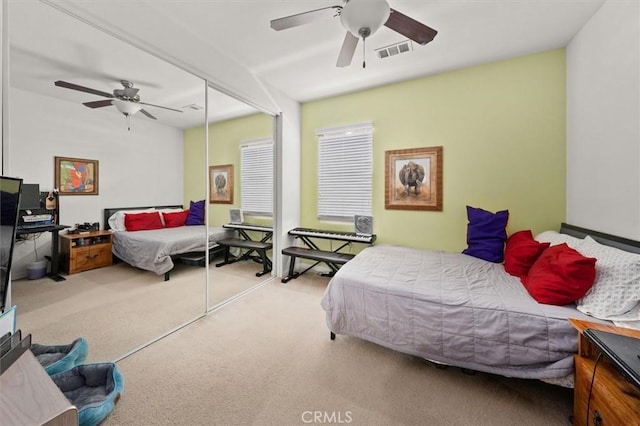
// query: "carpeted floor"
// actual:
[[119, 308], [266, 359]]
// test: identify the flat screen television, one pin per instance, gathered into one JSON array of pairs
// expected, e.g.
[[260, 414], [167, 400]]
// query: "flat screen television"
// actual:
[[10, 191]]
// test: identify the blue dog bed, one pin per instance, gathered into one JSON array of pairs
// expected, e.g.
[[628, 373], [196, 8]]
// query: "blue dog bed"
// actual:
[[93, 388], [59, 358]]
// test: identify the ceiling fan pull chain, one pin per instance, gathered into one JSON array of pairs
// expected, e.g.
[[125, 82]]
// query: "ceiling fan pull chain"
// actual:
[[364, 40]]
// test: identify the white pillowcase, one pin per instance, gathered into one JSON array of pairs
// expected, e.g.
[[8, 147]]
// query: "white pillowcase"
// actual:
[[169, 210], [616, 291], [116, 220], [555, 238]]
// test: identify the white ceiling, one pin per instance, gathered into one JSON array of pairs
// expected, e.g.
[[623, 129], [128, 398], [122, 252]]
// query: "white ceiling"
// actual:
[[300, 62]]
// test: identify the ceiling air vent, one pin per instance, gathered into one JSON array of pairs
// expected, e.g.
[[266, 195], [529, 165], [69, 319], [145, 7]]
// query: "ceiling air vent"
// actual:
[[193, 107], [394, 49]]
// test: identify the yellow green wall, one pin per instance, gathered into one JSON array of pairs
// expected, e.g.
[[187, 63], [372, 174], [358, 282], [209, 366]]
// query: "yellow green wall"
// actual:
[[501, 126], [224, 148], [502, 129]]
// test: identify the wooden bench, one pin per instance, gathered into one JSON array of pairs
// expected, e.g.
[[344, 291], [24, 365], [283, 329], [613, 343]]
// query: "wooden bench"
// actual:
[[249, 245], [331, 258]]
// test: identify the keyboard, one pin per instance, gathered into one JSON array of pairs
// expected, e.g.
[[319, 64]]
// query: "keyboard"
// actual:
[[333, 235]]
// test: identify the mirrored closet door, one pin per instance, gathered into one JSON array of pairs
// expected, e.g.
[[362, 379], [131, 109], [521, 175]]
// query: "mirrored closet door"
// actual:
[[155, 156], [240, 155], [140, 158]]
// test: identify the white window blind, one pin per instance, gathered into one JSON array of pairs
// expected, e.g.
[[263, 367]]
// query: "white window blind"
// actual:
[[256, 179], [345, 170]]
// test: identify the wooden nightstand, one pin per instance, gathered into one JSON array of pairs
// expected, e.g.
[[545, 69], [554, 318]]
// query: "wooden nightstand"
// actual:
[[614, 401], [82, 252]]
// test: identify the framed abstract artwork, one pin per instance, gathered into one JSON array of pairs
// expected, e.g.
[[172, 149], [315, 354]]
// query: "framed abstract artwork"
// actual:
[[413, 179], [76, 176]]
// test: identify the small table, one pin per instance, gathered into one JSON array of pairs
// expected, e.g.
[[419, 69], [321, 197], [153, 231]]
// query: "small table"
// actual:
[[86, 250], [611, 400], [55, 256], [246, 242]]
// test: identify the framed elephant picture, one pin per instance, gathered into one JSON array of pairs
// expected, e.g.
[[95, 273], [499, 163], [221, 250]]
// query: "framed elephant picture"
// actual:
[[413, 179], [221, 184]]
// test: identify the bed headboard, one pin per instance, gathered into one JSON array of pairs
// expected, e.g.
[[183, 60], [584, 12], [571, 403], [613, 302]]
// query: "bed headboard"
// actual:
[[601, 237], [110, 211]]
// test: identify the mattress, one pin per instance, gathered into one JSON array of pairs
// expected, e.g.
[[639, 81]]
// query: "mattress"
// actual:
[[451, 308], [152, 250]]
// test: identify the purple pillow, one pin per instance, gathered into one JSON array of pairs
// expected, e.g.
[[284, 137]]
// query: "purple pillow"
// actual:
[[196, 213], [486, 234]]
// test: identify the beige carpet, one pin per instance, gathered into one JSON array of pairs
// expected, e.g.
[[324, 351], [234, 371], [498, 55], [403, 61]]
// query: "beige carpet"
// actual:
[[266, 359], [119, 308]]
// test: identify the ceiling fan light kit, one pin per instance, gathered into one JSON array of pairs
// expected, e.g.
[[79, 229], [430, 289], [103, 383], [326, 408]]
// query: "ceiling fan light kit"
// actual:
[[361, 19], [126, 100], [364, 17]]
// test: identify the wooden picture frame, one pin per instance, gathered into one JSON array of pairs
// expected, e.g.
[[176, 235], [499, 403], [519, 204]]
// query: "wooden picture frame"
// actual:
[[76, 176], [413, 179], [221, 184]]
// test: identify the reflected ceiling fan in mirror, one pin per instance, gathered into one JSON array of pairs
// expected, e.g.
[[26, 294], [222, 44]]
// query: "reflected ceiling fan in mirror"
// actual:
[[126, 100], [361, 18]]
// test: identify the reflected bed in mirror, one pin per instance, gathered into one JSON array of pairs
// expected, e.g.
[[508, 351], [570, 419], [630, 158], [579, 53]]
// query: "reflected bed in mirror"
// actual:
[[155, 238]]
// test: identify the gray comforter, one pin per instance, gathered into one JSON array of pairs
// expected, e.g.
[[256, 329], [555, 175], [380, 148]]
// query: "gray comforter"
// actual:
[[452, 309], [152, 250]]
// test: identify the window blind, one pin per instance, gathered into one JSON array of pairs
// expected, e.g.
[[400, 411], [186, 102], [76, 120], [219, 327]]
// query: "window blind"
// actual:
[[256, 179], [345, 171]]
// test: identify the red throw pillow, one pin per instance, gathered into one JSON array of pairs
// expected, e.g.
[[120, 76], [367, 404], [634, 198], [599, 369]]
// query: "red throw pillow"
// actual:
[[560, 276], [520, 253], [175, 219], [142, 221]]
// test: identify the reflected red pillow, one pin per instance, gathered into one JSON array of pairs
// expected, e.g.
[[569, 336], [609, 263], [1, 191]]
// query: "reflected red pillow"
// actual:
[[142, 221], [175, 219], [521, 252], [560, 276]]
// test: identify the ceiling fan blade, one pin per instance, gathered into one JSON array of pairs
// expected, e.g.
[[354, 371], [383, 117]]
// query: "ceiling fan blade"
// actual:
[[98, 104], [410, 28], [158, 106], [147, 114], [305, 17], [348, 49], [67, 85]]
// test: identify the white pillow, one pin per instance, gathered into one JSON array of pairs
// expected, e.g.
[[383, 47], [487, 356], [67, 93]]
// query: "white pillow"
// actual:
[[116, 220], [555, 238], [168, 210], [616, 290]]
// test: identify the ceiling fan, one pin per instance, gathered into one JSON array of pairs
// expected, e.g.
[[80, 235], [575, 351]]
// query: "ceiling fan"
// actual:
[[126, 100], [361, 18]]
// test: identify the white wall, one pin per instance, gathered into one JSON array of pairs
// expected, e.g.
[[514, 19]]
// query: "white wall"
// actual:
[[140, 167], [603, 121]]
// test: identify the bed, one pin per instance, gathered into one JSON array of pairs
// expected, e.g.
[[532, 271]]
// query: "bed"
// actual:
[[458, 310], [157, 250]]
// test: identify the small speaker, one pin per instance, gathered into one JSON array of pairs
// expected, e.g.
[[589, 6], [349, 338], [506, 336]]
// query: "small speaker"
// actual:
[[235, 215], [363, 225]]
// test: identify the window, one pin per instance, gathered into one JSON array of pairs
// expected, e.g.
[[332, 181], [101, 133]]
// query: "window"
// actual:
[[345, 170], [256, 177]]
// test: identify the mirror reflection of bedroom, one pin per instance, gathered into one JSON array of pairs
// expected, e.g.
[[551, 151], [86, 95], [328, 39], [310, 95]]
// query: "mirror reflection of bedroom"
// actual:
[[145, 179]]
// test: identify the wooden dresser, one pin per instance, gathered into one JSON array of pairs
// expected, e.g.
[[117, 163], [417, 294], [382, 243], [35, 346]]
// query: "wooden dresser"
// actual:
[[614, 401], [82, 252]]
